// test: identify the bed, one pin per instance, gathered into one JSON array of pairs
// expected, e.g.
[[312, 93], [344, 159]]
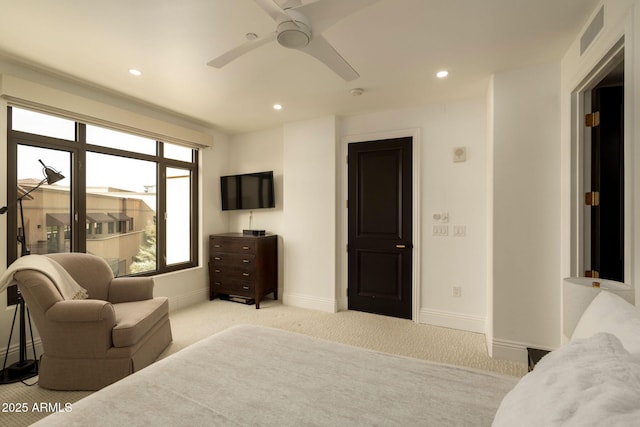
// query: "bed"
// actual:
[[594, 380], [252, 375]]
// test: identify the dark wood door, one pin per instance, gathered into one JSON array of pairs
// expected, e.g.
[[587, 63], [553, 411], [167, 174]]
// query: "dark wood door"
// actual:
[[380, 227], [607, 178]]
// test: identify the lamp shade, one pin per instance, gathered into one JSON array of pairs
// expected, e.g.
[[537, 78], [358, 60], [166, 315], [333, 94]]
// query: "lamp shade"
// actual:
[[52, 175]]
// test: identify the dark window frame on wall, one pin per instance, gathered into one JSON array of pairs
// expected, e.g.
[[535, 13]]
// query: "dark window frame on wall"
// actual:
[[78, 150]]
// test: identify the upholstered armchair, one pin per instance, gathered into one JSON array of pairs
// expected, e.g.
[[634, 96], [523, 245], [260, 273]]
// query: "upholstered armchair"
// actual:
[[90, 343]]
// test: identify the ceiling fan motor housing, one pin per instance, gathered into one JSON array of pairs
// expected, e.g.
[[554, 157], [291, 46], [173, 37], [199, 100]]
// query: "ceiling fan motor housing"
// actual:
[[294, 33]]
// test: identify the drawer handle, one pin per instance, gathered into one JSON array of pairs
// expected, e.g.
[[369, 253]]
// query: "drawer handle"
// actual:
[[217, 271], [246, 248], [217, 258], [245, 274], [216, 246], [245, 288], [217, 283], [246, 261]]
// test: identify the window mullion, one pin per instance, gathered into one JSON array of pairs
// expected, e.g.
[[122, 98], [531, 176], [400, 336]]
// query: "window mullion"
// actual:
[[79, 197], [161, 217]]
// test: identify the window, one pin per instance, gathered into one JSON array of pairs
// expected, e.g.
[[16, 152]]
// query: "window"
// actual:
[[178, 183], [114, 185]]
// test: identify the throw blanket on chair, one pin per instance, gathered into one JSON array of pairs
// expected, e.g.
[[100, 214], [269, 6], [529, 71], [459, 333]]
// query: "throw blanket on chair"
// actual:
[[67, 286]]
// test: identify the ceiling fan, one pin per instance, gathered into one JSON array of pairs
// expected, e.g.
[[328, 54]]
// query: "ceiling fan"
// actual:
[[300, 26]]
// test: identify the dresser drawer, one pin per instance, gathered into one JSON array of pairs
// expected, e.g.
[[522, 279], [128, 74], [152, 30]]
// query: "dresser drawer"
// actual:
[[223, 244], [233, 259], [226, 286], [231, 274]]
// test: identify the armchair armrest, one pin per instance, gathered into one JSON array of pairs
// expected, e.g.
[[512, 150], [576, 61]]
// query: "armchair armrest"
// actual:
[[80, 328], [88, 310], [128, 289]]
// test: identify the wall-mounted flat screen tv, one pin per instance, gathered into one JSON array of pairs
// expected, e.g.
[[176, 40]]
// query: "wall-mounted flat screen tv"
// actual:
[[247, 191]]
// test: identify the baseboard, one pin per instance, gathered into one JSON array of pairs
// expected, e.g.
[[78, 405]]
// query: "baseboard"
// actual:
[[14, 351], [452, 320], [328, 305], [509, 350], [185, 300]]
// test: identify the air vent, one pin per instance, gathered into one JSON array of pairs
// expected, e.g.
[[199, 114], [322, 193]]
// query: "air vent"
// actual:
[[592, 31]]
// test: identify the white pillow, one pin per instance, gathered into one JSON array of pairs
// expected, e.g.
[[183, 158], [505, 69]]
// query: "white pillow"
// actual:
[[587, 382], [610, 313]]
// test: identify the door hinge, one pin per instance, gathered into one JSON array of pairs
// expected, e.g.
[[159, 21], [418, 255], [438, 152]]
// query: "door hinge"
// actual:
[[592, 198], [592, 120], [592, 273]]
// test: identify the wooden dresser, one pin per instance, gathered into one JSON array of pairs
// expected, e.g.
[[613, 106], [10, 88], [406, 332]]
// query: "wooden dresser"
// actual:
[[242, 266]]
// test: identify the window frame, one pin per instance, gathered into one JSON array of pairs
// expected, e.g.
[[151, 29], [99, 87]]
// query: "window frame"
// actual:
[[78, 150]]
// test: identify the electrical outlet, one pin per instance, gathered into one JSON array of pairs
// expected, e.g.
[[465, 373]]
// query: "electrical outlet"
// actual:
[[457, 291]]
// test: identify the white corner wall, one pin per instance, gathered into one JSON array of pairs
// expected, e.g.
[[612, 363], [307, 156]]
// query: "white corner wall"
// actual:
[[257, 152], [309, 203], [526, 210]]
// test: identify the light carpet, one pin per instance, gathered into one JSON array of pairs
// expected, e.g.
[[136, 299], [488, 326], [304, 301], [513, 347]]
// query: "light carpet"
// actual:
[[386, 334]]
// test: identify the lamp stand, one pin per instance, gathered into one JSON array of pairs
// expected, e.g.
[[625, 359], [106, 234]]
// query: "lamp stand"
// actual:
[[24, 368]]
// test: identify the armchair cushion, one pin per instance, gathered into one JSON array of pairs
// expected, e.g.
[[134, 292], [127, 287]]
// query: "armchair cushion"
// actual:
[[135, 319]]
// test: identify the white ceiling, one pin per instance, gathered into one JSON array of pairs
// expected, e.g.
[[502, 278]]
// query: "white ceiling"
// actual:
[[396, 46]]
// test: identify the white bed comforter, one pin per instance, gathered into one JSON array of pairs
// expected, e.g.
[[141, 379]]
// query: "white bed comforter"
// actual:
[[257, 376], [588, 382]]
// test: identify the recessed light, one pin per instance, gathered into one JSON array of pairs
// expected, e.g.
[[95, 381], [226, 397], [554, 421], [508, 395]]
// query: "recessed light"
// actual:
[[135, 72], [442, 74], [277, 107]]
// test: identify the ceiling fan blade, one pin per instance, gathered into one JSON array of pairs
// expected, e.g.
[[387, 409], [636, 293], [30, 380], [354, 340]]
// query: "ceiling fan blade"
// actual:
[[320, 49], [323, 14], [272, 9], [236, 52]]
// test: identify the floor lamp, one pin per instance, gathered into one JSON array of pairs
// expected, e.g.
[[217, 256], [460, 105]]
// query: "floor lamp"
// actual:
[[24, 368]]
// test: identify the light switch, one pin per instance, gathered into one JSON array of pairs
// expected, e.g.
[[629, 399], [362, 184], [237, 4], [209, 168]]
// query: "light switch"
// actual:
[[440, 230], [459, 230]]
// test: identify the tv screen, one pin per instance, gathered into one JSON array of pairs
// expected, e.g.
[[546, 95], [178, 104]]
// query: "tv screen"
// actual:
[[247, 191]]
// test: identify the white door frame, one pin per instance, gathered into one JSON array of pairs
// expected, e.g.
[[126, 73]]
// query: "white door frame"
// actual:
[[413, 133]]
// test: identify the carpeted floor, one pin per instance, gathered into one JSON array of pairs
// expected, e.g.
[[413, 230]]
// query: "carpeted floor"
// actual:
[[375, 332]]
